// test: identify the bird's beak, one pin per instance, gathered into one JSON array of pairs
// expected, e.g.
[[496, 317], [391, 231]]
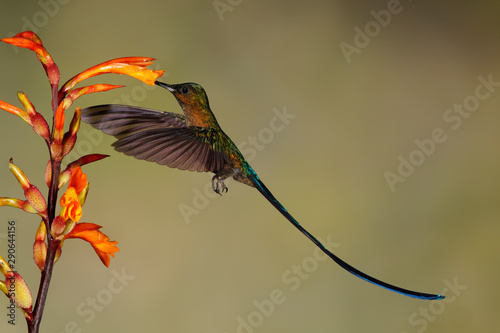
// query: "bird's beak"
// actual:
[[166, 86]]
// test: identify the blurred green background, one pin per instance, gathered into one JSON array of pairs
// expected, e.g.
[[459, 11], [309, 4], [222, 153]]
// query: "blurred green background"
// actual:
[[357, 102]]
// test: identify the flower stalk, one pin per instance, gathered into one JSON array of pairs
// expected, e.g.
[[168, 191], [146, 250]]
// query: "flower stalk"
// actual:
[[55, 228]]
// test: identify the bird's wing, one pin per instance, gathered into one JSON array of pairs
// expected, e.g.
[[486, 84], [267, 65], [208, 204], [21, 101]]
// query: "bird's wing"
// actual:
[[123, 120], [157, 136]]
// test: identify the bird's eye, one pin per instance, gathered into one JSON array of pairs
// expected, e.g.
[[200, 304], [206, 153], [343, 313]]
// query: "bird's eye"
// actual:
[[184, 90]]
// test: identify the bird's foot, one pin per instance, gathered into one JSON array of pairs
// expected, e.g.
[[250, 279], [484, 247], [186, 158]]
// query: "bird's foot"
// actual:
[[218, 185]]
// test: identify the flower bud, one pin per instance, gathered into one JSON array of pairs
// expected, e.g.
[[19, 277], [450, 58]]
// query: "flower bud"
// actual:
[[36, 199], [19, 174], [40, 126], [15, 287]]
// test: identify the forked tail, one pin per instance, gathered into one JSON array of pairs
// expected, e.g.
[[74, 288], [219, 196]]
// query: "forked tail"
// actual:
[[269, 196]]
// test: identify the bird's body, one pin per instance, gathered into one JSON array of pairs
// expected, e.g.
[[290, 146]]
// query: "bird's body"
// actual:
[[195, 141]]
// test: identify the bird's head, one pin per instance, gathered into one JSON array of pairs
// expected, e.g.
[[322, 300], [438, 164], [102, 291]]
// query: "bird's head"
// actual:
[[191, 96]]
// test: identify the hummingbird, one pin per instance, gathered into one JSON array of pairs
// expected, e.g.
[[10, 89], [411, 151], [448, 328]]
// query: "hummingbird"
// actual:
[[194, 141]]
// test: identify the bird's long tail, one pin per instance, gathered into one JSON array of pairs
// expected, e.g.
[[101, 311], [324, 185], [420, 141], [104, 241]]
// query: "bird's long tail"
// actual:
[[269, 196]]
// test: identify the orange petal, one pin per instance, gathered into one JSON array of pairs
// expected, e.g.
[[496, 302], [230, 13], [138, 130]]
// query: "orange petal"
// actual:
[[15, 110], [72, 211], [27, 42], [30, 40], [78, 180], [132, 66], [71, 205], [86, 160], [59, 120], [76, 93], [99, 241], [65, 175]]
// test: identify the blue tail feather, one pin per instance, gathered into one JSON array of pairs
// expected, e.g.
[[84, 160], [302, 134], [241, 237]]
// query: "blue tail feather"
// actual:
[[270, 197]]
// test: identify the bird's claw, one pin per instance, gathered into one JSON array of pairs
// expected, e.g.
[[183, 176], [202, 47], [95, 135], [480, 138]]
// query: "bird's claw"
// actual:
[[218, 185]]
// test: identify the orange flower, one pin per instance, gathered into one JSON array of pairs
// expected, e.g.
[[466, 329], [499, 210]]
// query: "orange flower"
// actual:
[[71, 205], [76, 93], [132, 66], [66, 102], [78, 180], [65, 176], [59, 118], [72, 201], [16, 111], [100, 242], [30, 40]]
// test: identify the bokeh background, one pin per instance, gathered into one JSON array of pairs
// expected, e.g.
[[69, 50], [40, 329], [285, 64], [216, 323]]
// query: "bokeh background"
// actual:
[[355, 107]]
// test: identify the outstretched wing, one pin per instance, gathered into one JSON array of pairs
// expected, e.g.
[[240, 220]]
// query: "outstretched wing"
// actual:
[[157, 136]]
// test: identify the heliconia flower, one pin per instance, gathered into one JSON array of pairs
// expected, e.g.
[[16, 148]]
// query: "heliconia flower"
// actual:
[[71, 205], [31, 192], [30, 40], [132, 66], [16, 289], [99, 241], [40, 247]]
